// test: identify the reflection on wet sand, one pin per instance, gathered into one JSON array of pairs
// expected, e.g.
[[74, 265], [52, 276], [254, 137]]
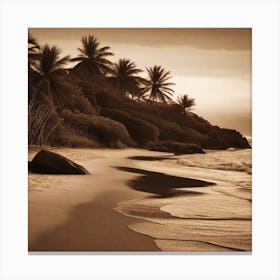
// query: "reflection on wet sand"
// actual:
[[162, 184]]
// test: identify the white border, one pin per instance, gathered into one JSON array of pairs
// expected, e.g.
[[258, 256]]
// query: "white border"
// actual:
[[262, 16]]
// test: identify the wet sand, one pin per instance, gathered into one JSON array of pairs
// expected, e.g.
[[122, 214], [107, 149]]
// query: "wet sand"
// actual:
[[76, 213], [106, 210], [94, 226]]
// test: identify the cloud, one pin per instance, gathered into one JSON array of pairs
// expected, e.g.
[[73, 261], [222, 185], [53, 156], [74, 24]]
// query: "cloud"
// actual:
[[204, 38]]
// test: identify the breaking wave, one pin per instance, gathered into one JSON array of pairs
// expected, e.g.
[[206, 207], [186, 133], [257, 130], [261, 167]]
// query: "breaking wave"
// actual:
[[235, 160]]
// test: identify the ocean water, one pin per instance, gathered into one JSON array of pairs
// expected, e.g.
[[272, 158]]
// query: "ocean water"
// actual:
[[235, 160], [211, 218]]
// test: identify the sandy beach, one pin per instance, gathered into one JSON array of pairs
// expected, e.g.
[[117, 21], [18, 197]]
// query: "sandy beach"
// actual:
[[187, 185], [136, 200], [75, 213]]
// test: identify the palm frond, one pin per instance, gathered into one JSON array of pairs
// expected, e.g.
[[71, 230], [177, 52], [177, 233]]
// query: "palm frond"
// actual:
[[185, 102], [157, 84], [91, 53], [123, 75]]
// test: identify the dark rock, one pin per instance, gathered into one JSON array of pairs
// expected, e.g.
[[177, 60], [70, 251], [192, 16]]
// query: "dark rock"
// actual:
[[222, 138], [235, 139], [46, 162], [175, 147]]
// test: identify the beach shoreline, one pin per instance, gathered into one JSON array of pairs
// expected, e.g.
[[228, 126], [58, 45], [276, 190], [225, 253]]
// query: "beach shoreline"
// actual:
[[53, 219], [93, 213]]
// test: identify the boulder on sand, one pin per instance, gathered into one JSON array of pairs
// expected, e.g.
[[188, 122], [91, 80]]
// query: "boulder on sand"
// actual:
[[46, 162]]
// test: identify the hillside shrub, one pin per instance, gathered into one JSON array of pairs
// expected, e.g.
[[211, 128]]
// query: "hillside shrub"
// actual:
[[69, 137], [140, 131], [170, 130], [99, 129]]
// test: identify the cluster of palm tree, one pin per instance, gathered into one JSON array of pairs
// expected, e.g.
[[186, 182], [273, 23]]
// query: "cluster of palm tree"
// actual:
[[93, 64], [51, 83]]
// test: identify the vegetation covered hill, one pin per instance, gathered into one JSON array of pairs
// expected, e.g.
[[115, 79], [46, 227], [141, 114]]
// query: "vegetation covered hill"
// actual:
[[97, 103]]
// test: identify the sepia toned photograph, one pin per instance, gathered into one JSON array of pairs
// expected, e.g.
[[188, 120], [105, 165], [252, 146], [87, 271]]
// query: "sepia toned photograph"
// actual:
[[139, 140]]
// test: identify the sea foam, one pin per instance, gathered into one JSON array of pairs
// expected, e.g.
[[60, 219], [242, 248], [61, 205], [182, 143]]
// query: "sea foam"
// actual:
[[235, 160], [210, 218]]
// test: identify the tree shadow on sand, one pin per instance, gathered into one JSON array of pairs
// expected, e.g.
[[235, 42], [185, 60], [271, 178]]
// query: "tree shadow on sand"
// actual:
[[163, 185]]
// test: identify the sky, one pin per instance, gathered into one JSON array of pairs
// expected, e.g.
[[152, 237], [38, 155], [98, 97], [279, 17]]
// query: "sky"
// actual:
[[212, 65]]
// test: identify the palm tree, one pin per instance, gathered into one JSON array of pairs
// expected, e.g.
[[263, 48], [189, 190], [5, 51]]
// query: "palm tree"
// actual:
[[49, 90], [92, 59], [51, 81], [186, 103], [124, 78], [33, 56], [157, 85], [33, 50]]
